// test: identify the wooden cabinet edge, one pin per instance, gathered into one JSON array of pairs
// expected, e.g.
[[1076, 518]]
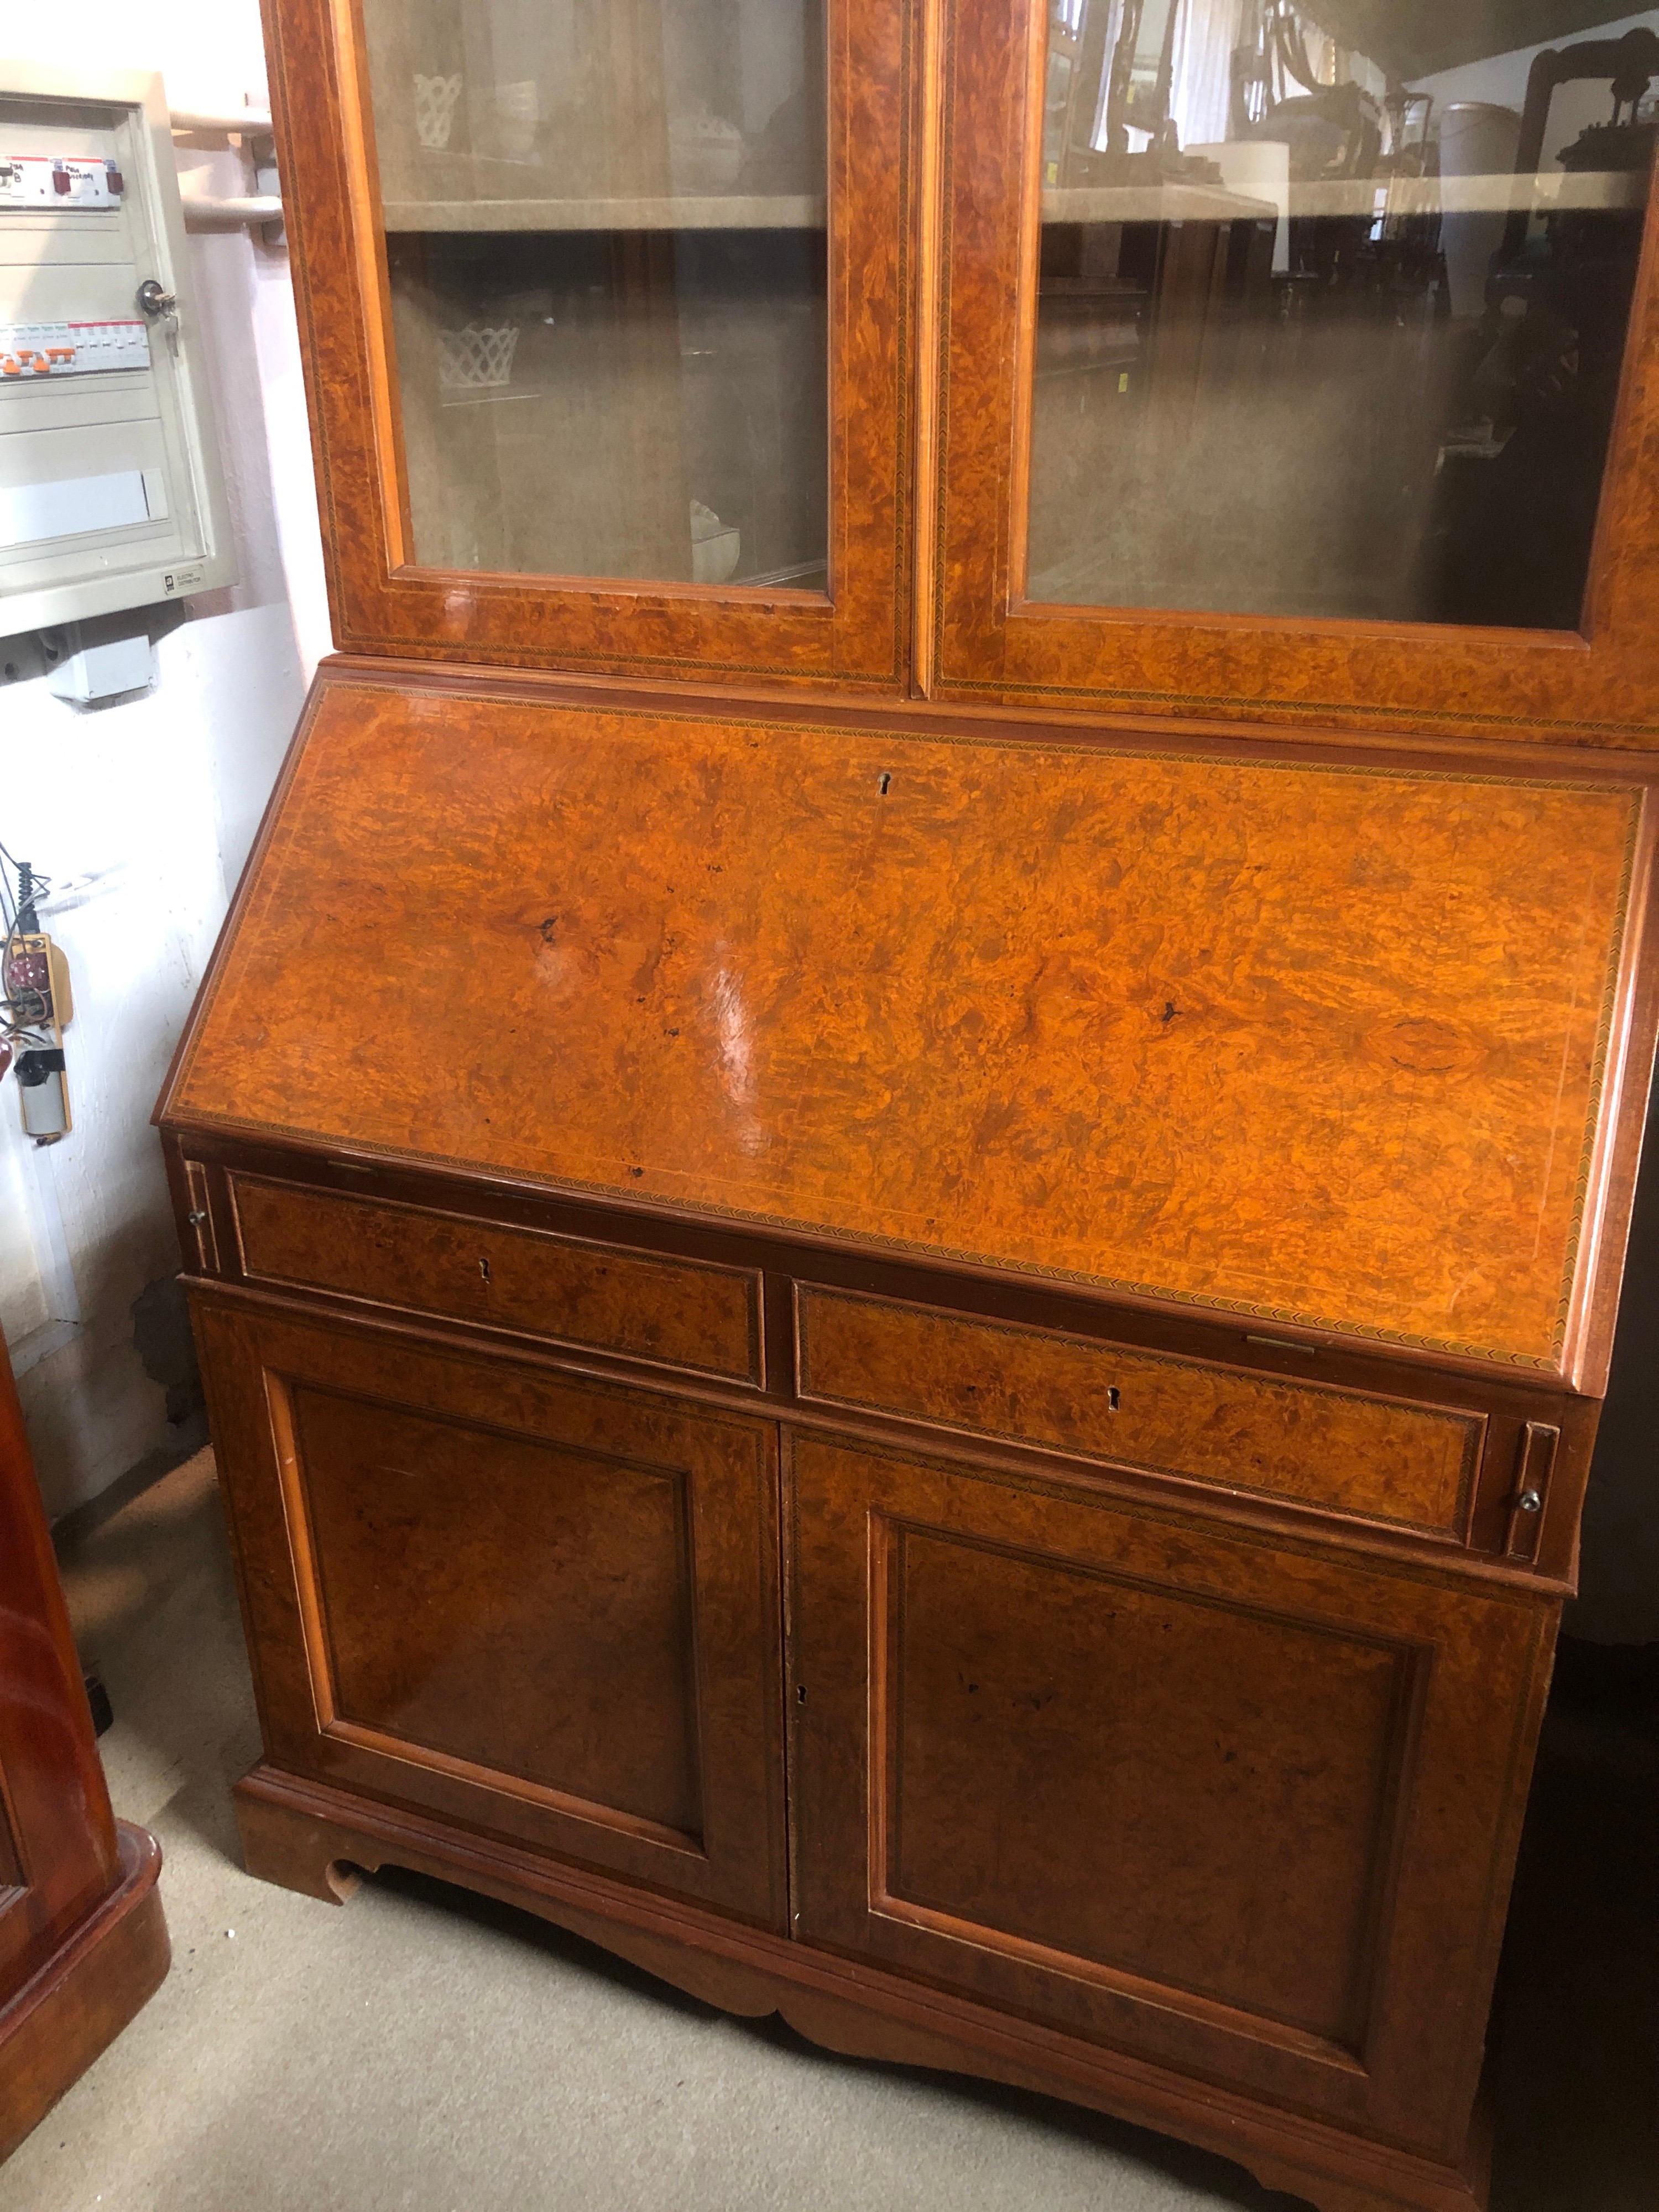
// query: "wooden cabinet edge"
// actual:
[[624, 1219], [382, 604], [1257, 1516], [401, 1291], [84, 1994], [1400, 740], [305, 1837]]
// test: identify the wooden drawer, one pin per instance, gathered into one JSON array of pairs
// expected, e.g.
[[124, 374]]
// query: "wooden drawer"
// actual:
[[679, 1313], [1411, 1465]]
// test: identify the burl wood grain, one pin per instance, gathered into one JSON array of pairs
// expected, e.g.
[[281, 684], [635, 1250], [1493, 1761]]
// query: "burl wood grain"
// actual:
[[1319, 1043], [1241, 1806], [1045, 1718], [509, 1279], [857, 633], [990, 644], [1410, 1464], [539, 1607], [578, 1675]]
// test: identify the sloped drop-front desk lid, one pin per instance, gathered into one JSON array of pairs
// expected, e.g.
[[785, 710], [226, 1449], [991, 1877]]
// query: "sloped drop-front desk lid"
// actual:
[[1330, 1044]]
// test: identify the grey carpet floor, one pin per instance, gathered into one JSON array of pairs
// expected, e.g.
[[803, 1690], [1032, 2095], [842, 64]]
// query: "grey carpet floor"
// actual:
[[424, 2051]]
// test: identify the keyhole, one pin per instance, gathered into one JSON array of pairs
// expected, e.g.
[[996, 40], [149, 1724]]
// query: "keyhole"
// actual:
[[886, 783], [484, 1269], [1111, 1397], [800, 1693]]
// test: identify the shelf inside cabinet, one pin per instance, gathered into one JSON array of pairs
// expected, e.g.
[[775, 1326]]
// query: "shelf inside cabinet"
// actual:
[[1164, 203], [618, 402], [1544, 192], [678, 211]]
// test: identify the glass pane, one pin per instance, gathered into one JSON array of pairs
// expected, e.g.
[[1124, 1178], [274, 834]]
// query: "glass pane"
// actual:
[[1332, 306], [606, 245]]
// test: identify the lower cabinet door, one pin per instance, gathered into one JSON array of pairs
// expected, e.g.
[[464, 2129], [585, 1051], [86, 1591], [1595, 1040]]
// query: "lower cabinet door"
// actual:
[[532, 1604], [1245, 1808]]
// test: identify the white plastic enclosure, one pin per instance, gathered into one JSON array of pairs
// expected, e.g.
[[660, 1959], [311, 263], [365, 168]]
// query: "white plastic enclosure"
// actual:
[[111, 494]]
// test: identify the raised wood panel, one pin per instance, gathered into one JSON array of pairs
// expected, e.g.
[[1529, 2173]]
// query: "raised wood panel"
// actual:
[[544, 1608], [680, 1314], [1248, 1808], [1135, 1779], [856, 633], [1322, 1044], [1410, 1464], [575, 1674], [988, 643]]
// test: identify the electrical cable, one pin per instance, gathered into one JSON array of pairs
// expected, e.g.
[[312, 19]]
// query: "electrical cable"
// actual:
[[25, 1005]]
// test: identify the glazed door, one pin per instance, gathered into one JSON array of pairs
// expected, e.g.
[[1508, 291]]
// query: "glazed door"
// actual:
[[605, 327], [1301, 365], [1244, 1809], [544, 1606]]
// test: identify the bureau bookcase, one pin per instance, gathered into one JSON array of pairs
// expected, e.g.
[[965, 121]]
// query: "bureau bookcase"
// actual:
[[905, 1174]]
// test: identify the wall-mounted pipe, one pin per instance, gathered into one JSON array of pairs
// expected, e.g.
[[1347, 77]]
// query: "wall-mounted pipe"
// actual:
[[231, 123], [202, 212]]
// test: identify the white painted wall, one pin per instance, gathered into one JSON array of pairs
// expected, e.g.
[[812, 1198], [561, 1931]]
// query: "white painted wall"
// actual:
[[1501, 79], [143, 812]]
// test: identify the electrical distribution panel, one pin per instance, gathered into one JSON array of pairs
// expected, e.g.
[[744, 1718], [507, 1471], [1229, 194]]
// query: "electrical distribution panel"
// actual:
[[110, 494]]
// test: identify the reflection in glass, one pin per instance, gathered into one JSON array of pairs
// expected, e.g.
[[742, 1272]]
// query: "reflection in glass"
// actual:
[[605, 245], [1332, 303]]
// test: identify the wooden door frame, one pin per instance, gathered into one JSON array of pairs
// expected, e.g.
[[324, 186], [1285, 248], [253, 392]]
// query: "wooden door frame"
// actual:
[[1390, 2081], [255, 1359], [986, 644], [857, 633]]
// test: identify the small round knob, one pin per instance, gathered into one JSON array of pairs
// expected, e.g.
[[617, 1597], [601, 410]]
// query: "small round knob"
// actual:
[[198, 1217], [1530, 1501]]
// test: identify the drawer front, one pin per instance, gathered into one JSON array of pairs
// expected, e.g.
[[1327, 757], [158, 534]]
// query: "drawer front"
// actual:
[[1411, 1465], [678, 1312]]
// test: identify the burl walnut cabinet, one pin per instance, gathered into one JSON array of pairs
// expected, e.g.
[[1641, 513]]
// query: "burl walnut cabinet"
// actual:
[[905, 1174]]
